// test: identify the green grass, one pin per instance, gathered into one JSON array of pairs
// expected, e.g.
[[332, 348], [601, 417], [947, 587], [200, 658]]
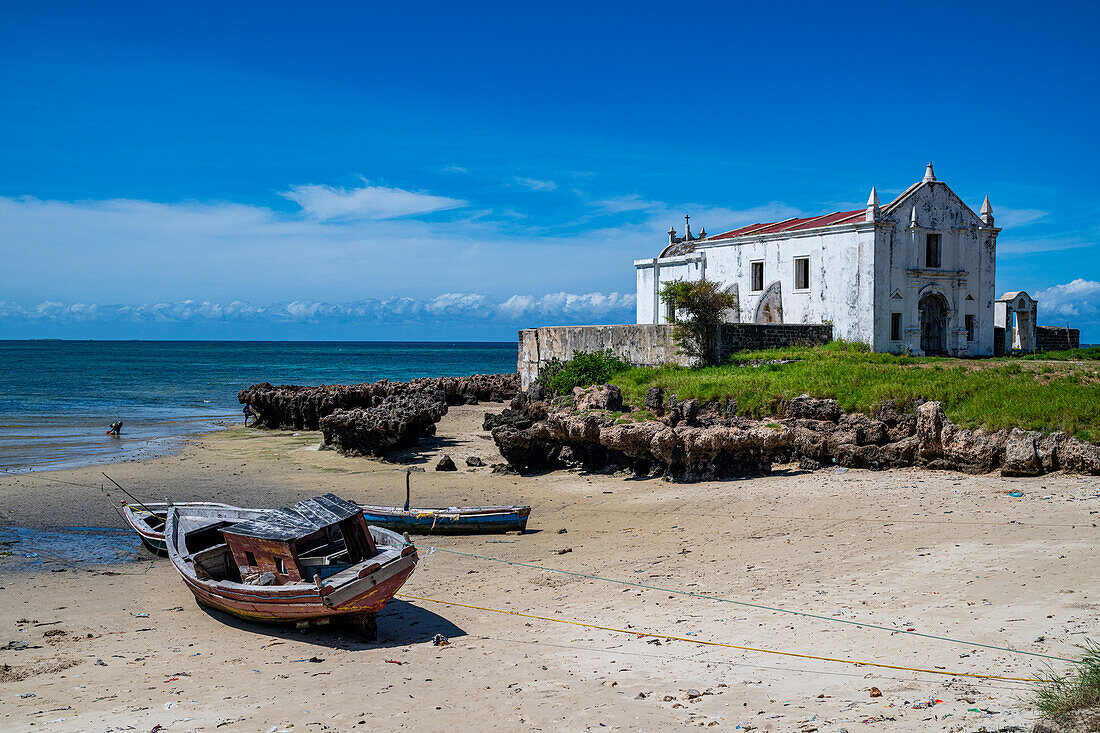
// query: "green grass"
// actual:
[[992, 393], [1059, 695], [1090, 353]]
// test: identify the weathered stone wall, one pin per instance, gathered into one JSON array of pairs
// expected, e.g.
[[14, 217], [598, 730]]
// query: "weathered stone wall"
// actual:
[[733, 337], [1050, 338], [651, 344]]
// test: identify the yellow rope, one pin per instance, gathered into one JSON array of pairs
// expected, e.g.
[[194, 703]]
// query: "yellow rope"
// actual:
[[719, 643]]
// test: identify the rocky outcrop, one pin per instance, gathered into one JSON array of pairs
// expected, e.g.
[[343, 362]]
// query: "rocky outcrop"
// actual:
[[396, 422], [302, 408], [693, 442]]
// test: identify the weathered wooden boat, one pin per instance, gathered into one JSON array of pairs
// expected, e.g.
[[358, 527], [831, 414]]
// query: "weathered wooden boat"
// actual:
[[452, 520], [147, 520], [311, 563]]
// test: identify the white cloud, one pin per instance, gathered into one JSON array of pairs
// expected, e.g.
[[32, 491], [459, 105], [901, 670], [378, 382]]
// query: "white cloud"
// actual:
[[1007, 218], [536, 185], [328, 203], [1076, 299], [715, 219], [524, 310]]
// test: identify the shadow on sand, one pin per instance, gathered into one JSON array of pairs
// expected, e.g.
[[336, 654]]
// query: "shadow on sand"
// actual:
[[399, 624]]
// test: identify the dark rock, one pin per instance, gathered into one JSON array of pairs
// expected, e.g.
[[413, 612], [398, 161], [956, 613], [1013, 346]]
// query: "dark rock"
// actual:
[[655, 400], [811, 408], [396, 422], [809, 464], [607, 397], [512, 417], [301, 408], [689, 409], [446, 463], [474, 461]]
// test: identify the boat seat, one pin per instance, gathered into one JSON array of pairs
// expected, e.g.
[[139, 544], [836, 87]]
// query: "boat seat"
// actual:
[[213, 561]]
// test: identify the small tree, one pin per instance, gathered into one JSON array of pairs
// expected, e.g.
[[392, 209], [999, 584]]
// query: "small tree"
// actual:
[[698, 307]]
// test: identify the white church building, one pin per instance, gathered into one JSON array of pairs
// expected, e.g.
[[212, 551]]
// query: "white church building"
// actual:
[[915, 275]]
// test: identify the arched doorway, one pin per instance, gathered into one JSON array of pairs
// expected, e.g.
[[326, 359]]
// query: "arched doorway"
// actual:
[[933, 324]]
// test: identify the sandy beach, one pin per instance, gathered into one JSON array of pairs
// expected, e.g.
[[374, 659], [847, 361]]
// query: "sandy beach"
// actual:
[[923, 554]]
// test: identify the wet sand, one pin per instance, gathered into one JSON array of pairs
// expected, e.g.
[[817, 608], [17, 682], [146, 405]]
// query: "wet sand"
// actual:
[[937, 552]]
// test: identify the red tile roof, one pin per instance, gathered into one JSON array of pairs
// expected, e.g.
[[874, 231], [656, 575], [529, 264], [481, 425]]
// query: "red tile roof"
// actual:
[[791, 225]]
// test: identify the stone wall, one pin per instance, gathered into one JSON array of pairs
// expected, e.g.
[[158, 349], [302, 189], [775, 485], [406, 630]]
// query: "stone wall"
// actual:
[[733, 337], [1050, 338], [651, 344]]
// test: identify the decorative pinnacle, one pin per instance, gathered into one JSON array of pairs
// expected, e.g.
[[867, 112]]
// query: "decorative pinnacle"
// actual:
[[913, 217], [929, 175], [987, 213], [872, 200]]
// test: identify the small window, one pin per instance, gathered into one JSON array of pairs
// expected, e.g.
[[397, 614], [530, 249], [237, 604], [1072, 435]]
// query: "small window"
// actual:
[[671, 313], [802, 273], [969, 327], [250, 559], [280, 566], [932, 250], [895, 327], [757, 276]]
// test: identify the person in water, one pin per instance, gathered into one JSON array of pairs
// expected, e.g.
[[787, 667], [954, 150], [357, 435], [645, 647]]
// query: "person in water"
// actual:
[[115, 429]]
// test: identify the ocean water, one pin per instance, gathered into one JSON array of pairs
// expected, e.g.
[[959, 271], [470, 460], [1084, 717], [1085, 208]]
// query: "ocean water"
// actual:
[[57, 398]]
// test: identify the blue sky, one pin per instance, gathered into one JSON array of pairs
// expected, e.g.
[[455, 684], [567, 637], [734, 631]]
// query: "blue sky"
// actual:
[[442, 171]]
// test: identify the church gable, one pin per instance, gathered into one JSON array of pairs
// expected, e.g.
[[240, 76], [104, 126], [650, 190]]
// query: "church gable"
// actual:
[[936, 206]]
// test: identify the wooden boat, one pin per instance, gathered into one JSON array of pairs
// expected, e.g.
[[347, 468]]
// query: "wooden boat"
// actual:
[[147, 520], [314, 562], [453, 520]]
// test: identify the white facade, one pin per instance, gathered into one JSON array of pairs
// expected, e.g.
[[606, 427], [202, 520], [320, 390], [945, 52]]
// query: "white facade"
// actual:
[[868, 272]]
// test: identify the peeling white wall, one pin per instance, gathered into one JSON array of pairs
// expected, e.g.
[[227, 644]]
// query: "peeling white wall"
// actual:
[[968, 254], [855, 269]]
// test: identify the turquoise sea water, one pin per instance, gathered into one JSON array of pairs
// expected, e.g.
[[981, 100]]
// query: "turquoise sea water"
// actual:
[[58, 397]]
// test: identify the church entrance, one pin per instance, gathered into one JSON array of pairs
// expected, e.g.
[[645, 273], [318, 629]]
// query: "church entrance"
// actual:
[[933, 324]]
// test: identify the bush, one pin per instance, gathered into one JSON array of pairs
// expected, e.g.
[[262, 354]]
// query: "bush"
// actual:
[[699, 307], [583, 370], [1059, 695]]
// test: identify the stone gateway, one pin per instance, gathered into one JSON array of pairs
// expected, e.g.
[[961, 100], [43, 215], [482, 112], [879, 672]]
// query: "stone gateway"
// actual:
[[913, 276]]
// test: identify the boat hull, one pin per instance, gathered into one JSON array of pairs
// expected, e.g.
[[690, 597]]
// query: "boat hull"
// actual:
[[355, 594], [449, 521], [308, 606]]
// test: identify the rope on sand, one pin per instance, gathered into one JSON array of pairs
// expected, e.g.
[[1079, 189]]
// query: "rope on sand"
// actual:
[[756, 605], [705, 642]]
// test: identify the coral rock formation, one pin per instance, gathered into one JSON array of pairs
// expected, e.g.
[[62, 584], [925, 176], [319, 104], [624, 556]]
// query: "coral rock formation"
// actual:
[[693, 442], [371, 419]]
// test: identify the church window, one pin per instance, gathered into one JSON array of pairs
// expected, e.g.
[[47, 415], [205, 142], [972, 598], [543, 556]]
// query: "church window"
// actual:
[[757, 276], [932, 250], [895, 327], [802, 273], [969, 327]]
